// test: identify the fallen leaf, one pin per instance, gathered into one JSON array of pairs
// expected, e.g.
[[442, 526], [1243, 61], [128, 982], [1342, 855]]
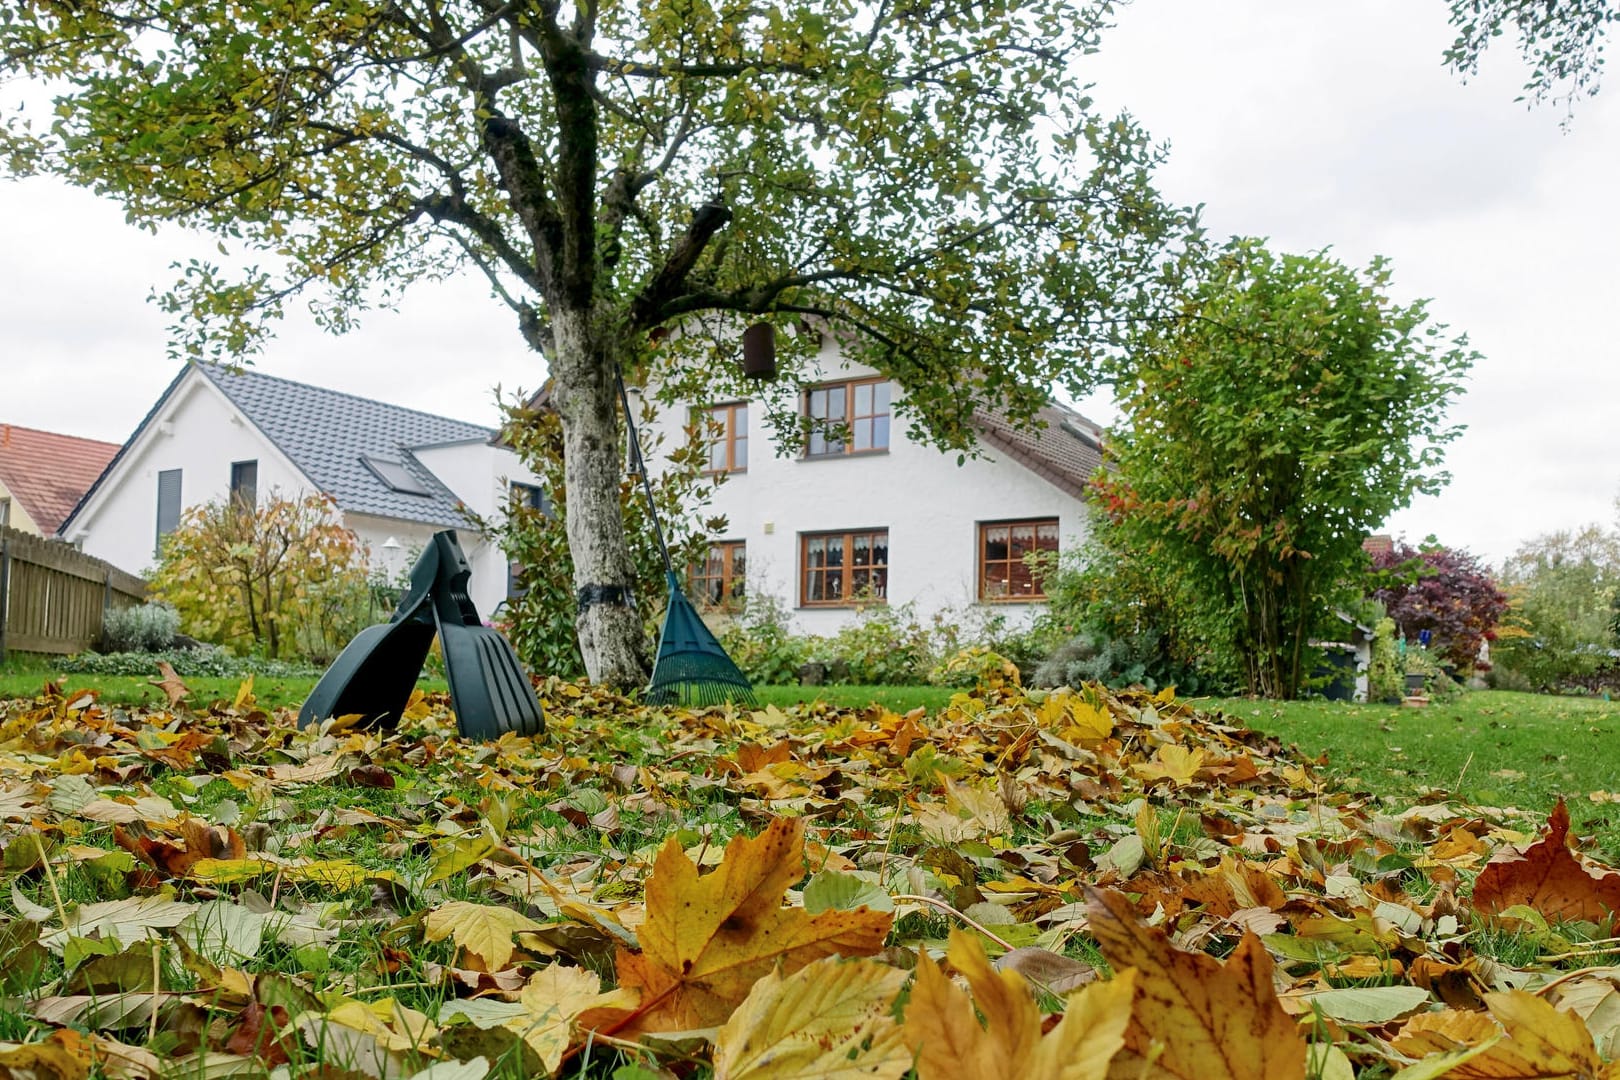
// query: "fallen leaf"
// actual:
[[485, 931], [1195, 1018], [828, 1019], [173, 687], [708, 938], [943, 1031], [1549, 878]]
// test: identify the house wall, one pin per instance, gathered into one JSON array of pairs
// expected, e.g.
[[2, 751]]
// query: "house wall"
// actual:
[[487, 588], [931, 506], [479, 474], [198, 432], [18, 517]]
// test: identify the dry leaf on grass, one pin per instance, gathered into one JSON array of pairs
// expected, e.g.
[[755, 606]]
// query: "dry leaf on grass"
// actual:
[[1549, 878], [708, 938], [1534, 1042], [483, 930], [942, 1029], [827, 1021], [1195, 1018]]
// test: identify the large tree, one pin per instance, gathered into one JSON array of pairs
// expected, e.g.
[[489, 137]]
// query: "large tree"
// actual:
[[1289, 410], [1561, 40], [929, 181]]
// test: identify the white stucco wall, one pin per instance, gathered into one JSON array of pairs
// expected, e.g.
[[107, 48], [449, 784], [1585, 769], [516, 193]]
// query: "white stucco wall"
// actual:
[[479, 474], [931, 506], [488, 585], [198, 432]]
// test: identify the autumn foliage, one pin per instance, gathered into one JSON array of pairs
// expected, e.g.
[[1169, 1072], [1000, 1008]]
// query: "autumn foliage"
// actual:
[[1071, 885]]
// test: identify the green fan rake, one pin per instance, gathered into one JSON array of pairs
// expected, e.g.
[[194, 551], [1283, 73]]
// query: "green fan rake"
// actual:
[[691, 668]]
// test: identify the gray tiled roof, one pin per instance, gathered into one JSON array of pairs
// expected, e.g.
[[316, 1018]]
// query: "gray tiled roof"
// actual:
[[325, 432], [1066, 451]]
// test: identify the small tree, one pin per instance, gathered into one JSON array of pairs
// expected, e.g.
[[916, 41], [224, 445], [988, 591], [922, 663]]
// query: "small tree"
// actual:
[[1446, 591], [1291, 409], [281, 578], [1563, 585]]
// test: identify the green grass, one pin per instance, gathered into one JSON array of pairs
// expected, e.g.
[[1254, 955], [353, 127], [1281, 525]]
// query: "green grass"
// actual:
[[1490, 748]]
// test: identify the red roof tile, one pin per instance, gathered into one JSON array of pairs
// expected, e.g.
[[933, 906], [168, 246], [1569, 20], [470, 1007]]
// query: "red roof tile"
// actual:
[[47, 473]]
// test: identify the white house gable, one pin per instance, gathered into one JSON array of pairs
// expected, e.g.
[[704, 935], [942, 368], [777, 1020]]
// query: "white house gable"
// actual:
[[878, 515]]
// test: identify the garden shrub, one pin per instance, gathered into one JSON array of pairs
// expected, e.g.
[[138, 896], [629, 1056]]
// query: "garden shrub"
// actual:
[[142, 628], [761, 642], [209, 661], [280, 579], [1385, 680], [885, 646]]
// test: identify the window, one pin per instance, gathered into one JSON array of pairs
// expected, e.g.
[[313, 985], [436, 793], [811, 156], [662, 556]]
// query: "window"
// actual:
[[245, 483], [5, 512], [1005, 573], [532, 496], [168, 504], [725, 429], [719, 583], [847, 418], [840, 569], [394, 474]]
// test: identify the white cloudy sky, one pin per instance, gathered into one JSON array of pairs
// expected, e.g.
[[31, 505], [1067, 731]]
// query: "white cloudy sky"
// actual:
[[1314, 123]]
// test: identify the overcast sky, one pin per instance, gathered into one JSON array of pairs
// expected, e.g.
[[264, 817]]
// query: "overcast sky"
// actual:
[[1314, 123]]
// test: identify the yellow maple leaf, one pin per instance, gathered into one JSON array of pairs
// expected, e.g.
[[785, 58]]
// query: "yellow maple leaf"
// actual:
[[829, 1019], [1196, 1018], [483, 930], [945, 1034], [1534, 1042], [560, 1000], [708, 938], [1173, 762]]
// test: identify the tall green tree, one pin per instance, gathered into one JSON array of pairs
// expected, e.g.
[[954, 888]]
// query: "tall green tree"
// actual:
[[1288, 411], [1562, 40], [930, 181], [1564, 586]]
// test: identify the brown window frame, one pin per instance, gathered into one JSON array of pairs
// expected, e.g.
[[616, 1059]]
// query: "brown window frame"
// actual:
[[705, 415], [849, 419], [848, 569], [733, 584], [984, 562]]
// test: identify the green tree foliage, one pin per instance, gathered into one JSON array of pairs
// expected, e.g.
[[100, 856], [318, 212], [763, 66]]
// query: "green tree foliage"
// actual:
[[1563, 586], [1290, 410], [539, 621], [281, 579], [931, 181], [1562, 41]]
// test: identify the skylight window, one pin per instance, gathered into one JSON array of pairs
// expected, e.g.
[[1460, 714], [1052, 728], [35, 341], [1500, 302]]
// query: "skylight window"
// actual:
[[395, 475]]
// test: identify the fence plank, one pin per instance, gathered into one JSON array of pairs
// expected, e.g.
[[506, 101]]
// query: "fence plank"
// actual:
[[54, 597]]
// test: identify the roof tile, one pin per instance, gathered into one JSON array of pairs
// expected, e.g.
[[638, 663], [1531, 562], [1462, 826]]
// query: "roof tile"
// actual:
[[47, 473]]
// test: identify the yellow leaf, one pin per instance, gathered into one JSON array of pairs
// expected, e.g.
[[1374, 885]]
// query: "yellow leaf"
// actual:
[[707, 939], [483, 930], [1196, 1018], [244, 695], [829, 1019], [556, 998], [1173, 762], [1541, 1042], [942, 1029]]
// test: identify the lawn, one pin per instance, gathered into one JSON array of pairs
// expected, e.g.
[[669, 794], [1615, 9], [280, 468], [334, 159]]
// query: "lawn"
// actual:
[[1489, 748]]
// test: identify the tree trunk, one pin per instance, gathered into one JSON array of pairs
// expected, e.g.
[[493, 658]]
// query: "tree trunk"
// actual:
[[611, 639]]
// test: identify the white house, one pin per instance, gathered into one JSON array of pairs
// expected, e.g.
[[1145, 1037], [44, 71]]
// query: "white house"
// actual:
[[878, 515], [396, 474]]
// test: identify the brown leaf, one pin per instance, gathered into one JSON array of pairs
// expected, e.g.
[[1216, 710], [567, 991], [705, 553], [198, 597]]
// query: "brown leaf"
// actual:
[[1195, 1018], [176, 857], [371, 776], [1047, 970], [1540, 1043], [171, 684], [709, 938], [1549, 878], [942, 1025], [256, 1035]]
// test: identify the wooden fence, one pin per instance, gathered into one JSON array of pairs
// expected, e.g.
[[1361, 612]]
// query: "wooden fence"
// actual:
[[53, 597]]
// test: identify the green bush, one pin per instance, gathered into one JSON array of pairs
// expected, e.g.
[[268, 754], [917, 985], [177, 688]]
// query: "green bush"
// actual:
[[1386, 681], [885, 646], [143, 628], [208, 661], [761, 642]]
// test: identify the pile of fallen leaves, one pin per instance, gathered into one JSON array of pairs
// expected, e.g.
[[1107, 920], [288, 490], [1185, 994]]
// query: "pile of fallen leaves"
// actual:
[[1071, 884]]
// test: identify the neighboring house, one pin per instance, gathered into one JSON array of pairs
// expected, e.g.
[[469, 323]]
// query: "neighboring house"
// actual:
[[43, 474], [877, 516], [396, 474]]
